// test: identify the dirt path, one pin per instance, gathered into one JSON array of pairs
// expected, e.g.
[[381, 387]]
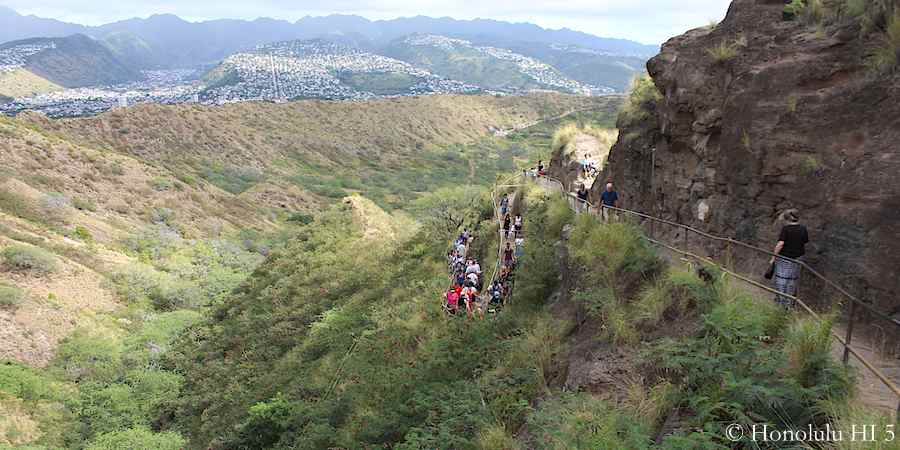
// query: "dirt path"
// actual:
[[587, 148]]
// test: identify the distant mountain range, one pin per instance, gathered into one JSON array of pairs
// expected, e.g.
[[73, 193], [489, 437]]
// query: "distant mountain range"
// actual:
[[165, 41], [335, 57]]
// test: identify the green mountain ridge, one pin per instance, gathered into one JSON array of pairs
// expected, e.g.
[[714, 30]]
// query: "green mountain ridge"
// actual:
[[75, 61]]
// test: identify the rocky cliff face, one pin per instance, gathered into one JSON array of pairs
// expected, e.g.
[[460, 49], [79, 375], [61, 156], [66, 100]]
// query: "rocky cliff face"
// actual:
[[794, 118]]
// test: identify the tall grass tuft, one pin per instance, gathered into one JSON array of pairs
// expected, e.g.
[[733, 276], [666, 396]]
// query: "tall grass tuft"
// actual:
[[807, 345], [722, 53], [641, 99], [564, 137]]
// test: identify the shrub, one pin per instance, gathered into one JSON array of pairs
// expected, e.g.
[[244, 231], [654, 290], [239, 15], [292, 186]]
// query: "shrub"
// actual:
[[722, 53], [563, 137], [886, 57], [17, 205], [82, 234], [807, 345], [162, 184], [793, 9], [584, 421], [301, 218], [162, 216], [170, 294], [617, 256], [134, 282], [495, 437], [138, 439], [90, 355], [10, 296], [84, 204], [26, 258], [641, 101], [140, 283], [29, 384], [808, 165], [55, 206], [792, 103]]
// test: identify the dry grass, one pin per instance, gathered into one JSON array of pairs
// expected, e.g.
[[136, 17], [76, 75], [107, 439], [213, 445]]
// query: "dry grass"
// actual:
[[722, 53], [22, 83]]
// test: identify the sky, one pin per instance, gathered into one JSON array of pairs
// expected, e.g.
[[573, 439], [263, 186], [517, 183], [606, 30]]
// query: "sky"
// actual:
[[646, 21]]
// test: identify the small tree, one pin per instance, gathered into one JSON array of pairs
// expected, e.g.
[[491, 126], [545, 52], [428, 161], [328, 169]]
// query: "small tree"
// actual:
[[447, 209]]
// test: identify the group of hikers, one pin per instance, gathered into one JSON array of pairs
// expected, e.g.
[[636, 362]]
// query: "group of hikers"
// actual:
[[537, 171], [609, 200], [466, 290]]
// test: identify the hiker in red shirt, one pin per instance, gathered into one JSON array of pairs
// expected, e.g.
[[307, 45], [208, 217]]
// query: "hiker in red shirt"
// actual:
[[453, 300]]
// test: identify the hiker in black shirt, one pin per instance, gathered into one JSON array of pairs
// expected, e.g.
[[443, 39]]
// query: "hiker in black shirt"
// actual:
[[790, 249], [582, 195]]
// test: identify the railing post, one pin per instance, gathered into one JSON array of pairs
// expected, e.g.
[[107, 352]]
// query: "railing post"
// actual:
[[729, 257], [849, 332], [684, 230]]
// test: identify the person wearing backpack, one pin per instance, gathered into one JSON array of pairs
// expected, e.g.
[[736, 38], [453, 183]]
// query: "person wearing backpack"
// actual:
[[504, 204]]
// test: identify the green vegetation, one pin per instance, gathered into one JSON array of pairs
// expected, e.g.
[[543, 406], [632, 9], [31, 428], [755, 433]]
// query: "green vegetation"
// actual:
[[229, 178], [28, 259], [464, 64], [178, 257], [723, 357], [18, 205], [641, 101], [886, 58], [881, 17], [84, 204], [808, 165], [10, 296], [358, 321], [137, 439], [379, 83], [581, 421]]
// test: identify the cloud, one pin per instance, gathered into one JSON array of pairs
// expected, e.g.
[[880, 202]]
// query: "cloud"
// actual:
[[649, 21]]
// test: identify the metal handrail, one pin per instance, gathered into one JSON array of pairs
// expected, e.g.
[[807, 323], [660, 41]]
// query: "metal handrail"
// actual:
[[848, 348], [726, 240]]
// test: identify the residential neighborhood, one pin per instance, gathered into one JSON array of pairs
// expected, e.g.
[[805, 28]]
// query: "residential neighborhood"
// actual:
[[282, 71]]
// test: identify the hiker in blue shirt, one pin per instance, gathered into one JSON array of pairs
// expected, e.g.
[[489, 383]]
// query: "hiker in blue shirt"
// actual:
[[609, 198]]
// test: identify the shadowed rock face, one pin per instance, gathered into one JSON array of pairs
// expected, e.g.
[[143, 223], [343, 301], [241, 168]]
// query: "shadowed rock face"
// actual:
[[795, 119]]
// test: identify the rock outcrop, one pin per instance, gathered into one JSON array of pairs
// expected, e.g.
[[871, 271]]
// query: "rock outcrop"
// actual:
[[793, 118]]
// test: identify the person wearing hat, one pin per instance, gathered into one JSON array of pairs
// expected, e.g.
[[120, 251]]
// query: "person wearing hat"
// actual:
[[790, 248]]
